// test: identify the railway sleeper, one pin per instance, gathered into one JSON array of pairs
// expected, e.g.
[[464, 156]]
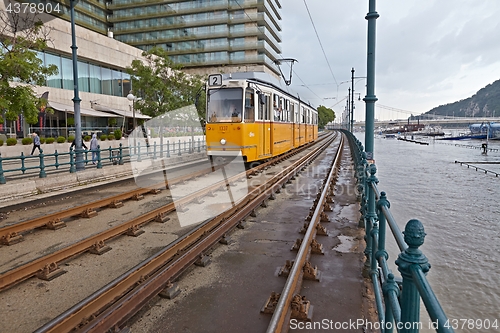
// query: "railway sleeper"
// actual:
[[296, 245], [88, 213], [170, 291], [311, 272], [271, 303], [137, 197], [99, 248], [242, 224], [226, 240], [161, 218], [11, 238], [203, 261], [324, 217], [115, 204], [321, 230], [300, 306], [50, 272], [316, 247], [56, 224], [134, 231], [198, 200], [285, 269]]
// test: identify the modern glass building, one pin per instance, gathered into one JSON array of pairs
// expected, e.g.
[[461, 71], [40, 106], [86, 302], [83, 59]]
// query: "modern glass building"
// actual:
[[205, 36]]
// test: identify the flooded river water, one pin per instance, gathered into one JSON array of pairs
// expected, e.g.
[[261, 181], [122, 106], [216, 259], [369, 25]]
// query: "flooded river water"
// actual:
[[460, 210]]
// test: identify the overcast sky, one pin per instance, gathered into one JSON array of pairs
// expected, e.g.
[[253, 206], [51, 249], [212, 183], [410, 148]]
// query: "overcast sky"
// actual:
[[428, 52]]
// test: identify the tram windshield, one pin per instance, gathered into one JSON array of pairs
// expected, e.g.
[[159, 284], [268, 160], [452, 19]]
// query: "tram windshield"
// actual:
[[225, 105]]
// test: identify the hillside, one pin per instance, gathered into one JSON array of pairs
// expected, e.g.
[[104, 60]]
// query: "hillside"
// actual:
[[485, 103]]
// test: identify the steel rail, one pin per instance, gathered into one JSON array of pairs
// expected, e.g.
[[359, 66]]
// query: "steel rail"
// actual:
[[293, 283], [51, 261], [133, 289], [15, 230]]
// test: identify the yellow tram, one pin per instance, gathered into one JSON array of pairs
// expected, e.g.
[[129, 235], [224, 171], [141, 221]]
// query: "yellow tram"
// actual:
[[250, 115]]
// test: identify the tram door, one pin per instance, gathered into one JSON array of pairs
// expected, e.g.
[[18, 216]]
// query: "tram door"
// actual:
[[265, 126]]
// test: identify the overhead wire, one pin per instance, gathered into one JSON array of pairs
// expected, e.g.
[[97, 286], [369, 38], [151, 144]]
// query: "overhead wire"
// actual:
[[320, 44]]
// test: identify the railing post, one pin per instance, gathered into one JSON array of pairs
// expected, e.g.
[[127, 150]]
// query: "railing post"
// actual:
[[72, 167], [42, 165], [369, 215], [414, 235], [2, 177], [168, 148], [199, 142], [23, 166], [56, 155], [99, 164], [139, 152], [363, 209], [179, 153], [110, 153], [120, 155], [382, 202], [389, 287], [154, 151], [161, 148]]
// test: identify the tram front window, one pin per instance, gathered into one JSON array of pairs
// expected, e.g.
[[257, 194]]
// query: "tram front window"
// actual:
[[225, 105]]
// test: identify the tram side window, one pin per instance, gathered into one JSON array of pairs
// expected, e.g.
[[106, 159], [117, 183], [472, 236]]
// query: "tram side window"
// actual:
[[263, 107], [249, 106], [277, 108], [303, 116]]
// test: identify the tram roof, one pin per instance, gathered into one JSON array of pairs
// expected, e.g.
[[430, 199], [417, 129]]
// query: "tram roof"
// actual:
[[264, 78]]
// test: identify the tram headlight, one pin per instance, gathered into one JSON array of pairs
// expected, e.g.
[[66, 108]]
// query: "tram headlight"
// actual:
[[222, 141]]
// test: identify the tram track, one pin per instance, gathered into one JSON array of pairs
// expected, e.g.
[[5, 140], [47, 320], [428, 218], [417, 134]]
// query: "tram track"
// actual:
[[289, 304], [134, 288], [47, 267]]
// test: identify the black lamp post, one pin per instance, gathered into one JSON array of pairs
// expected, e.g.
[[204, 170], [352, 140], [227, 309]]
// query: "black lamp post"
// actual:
[[76, 99]]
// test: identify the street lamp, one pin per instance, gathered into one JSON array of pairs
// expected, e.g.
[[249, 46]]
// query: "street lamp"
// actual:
[[76, 99], [133, 99]]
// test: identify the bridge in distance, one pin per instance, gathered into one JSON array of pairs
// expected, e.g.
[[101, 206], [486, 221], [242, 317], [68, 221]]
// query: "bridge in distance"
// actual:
[[444, 122]]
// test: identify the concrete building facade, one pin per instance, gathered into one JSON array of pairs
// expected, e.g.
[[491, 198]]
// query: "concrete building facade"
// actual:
[[205, 36]]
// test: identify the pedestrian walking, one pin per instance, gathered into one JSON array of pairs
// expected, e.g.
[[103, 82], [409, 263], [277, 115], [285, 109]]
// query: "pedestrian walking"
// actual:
[[74, 144], [36, 143], [93, 147]]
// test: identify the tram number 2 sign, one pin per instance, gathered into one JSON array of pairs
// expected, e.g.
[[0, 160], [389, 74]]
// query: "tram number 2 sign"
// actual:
[[215, 80]]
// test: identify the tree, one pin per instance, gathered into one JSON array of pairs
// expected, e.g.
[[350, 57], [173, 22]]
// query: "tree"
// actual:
[[325, 116], [21, 36], [162, 85]]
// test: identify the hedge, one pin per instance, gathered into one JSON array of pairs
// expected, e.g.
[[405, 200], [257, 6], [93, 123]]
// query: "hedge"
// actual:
[[118, 134], [27, 141], [61, 139], [50, 140], [11, 142]]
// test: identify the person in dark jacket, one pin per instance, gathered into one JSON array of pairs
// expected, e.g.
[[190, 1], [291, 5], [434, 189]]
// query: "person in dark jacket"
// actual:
[[36, 143], [73, 144]]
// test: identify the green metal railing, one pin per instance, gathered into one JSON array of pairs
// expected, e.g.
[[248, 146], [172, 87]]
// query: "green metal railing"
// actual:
[[398, 303], [57, 160]]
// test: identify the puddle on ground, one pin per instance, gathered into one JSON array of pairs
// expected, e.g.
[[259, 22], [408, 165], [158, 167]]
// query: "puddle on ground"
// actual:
[[347, 244]]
